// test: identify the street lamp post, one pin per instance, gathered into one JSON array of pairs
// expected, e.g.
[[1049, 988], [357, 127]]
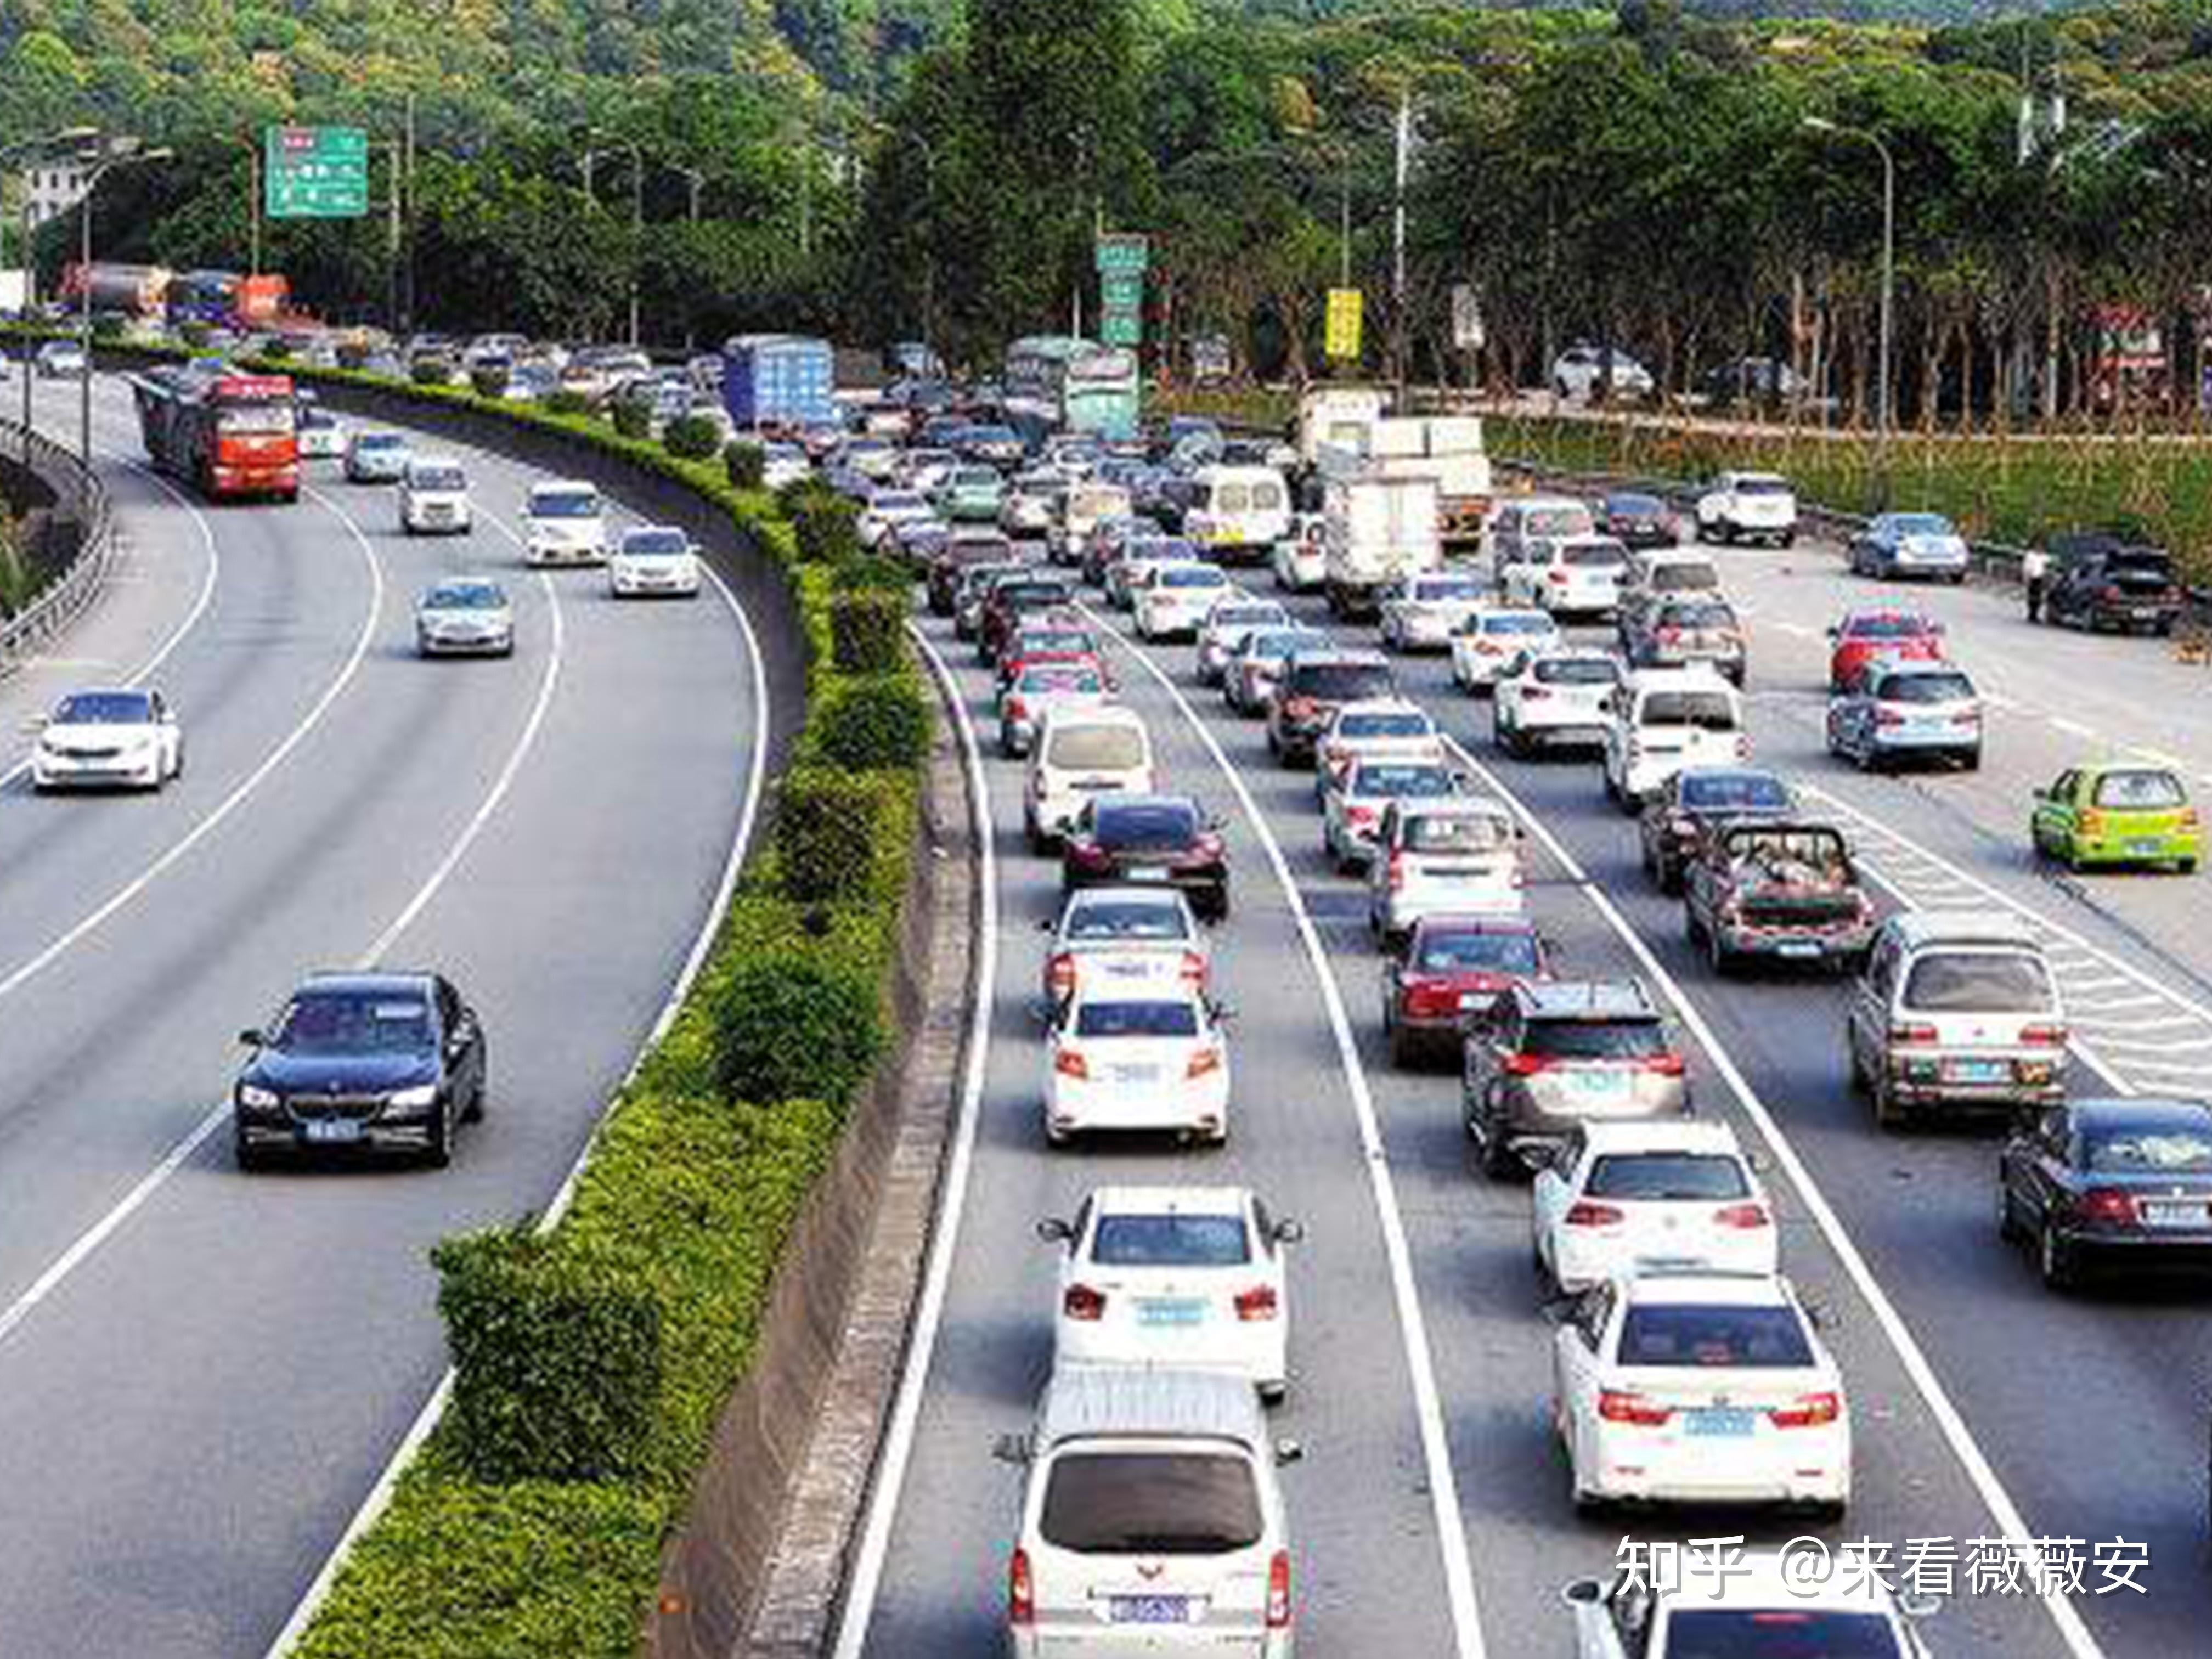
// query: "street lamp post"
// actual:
[[114, 153], [694, 180], [1884, 396], [929, 242], [637, 212]]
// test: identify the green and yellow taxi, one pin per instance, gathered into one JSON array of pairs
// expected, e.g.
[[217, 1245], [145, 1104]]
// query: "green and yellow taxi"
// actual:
[[2116, 813]]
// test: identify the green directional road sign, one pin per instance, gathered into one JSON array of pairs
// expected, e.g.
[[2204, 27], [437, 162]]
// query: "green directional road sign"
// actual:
[[314, 172], [1121, 328], [1123, 253], [1123, 290]]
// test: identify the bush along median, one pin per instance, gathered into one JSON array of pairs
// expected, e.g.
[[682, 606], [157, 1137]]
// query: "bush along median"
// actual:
[[593, 1358]]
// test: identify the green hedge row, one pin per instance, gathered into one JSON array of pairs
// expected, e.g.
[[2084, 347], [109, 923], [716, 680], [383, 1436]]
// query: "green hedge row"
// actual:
[[592, 1360]]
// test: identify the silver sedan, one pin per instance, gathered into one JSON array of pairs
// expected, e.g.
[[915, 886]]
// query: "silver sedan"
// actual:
[[463, 616]]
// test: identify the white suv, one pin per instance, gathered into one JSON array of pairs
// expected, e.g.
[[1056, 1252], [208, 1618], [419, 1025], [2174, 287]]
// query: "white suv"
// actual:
[[1751, 1602], [1659, 721], [1449, 857], [434, 497], [563, 522], [1749, 507]]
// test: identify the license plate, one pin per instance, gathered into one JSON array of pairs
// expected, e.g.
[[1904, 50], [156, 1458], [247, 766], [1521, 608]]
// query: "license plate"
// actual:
[[2146, 844], [1718, 1422], [332, 1131], [2175, 1215], [1149, 1609], [1149, 873], [1979, 1071], [1160, 1312], [1797, 949], [2146, 613], [1603, 1085], [1136, 1074]]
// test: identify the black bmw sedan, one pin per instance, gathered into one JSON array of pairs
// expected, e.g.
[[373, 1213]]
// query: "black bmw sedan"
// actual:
[[2114, 1184]]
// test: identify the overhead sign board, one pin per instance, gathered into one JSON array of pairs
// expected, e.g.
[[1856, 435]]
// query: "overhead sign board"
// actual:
[[1124, 252], [1344, 313], [1121, 328], [1123, 290], [314, 172]]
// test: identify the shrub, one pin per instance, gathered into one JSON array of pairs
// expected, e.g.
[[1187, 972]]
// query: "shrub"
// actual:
[[108, 326], [566, 400], [874, 572], [873, 723], [828, 825], [824, 523], [868, 630], [746, 464], [489, 379], [633, 419], [789, 1024], [555, 1368], [692, 438]]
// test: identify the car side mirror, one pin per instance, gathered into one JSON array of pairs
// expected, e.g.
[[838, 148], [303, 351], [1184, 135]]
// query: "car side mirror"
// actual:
[[1042, 1013], [255, 1037], [1054, 1230], [1288, 1231], [1222, 1013], [1820, 1314], [1583, 1593], [1918, 1604], [1758, 1163], [1560, 1306], [1288, 1450], [1011, 1448], [1047, 925]]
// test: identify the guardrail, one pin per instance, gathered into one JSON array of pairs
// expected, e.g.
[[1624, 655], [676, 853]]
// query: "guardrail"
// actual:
[[79, 498]]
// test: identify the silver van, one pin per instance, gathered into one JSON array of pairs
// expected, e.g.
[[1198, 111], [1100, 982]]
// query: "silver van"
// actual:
[[1150, 1519], [1955, 1010]]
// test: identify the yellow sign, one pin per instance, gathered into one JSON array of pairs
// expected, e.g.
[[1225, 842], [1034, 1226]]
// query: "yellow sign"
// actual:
[[1344, 315]]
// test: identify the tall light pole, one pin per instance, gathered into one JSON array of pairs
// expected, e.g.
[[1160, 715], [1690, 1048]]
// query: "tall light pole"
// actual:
[[252, 147], [929, 241], [114, 153], [1884, 399], [694, 180], [615, 141]]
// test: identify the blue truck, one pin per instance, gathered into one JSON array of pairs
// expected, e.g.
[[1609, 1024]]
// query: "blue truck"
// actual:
[[779, 381]]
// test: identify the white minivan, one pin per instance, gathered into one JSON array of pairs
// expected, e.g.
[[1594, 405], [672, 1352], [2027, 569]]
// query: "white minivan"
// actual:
[[1237, 513], [563, 522], [1080, 752], [1659, 721], [1151, 1520]]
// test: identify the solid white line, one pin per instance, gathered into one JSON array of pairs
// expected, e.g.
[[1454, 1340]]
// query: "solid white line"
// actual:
[[1428, 1409], [1948, 1421], [230, 803], [897, 1447], [379, 1497], [2071, 729]]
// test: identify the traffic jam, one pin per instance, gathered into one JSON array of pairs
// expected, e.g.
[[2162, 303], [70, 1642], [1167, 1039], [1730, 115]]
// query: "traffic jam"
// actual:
[[1358, 640]]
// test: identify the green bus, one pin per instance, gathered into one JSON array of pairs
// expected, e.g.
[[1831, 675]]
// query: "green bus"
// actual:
[[1075, 384]]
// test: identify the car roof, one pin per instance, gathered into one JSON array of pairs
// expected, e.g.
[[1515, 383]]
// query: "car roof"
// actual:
[[1132, 798], [1105, 713], [2139, 1112], [1919, 928], [370, 983], [1586, 999], [1164, 898], [1691, 676], [1358, 655], [1474, 921], [1457, 806], [1084, 1402], [1221, 1200], [1886, 613], [1706, 1287], [1548, 502], [1141, 977], [1696, 1135], [1757, 1580], [462, 579], [1382, 705]]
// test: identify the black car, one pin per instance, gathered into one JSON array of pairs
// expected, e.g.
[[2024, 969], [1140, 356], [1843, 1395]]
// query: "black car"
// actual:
[[2105, 1182], [1639, 520], [2099, 582], [1120, 839], [1692, 802], [379, 1062]]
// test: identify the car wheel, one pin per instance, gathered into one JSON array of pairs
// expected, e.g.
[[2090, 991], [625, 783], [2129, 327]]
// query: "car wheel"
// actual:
[[1971, 761], [1887, 1114], [441, 1151], [2056, 1261], [1401, 1049], [250, 1159], [1718, 953], [476, 1112], [2009, 1227], [1274, 1391]]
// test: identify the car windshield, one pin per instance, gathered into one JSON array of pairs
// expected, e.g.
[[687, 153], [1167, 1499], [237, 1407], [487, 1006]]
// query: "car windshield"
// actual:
[[1278, 644], [463, 596], [105, 708], [1577, 670], [1127, 918], [1445, 952], [1687, 1333], [1066, 680], [1340, 681], [1734, 792], [1978, 983], [354, 1022], [1697, 613], [1518, 622], [564, 504], [1555, 521], [1137, 1019], [1666, 1178], [1888, 627], [1056, 639], [1399, 782], [975, 478], [1779, 1633], [1192, 575], [438, 477], [1592, 558], [1635, 506], [1170, 1240], [1165, 1502], [1456, 832], [265, 418], [1410, 723], [2140, 790], [1595, 1039], [1926, 688], [1032, 595], [1097, 748], [1709, 710], [372, 442], [1920, 524], [1163, 825], [1761, 487], [1448, 587]]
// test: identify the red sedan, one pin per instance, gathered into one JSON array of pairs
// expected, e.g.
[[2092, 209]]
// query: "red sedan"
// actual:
[[1863, 636], [1451, 962]]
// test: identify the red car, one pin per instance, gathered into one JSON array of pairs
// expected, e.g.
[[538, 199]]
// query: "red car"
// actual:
[[1447, 961], [1863, 636], [1050, 638]]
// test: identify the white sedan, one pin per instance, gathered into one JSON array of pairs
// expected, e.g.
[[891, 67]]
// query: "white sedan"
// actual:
[[1300, 560], [1492, 636], [653, 559], [1353, 807], [1135, 1048], [1618, 1199], [1423, 613], [1172, 600], [889, 512], [129, 739], [1700, 1388], [1553, 698], [1233, 618], [1379, 728], [1100, 927], [1181, 1276]]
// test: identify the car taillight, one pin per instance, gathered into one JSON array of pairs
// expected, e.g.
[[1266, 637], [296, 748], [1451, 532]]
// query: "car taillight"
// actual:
[[1431, 999], [1744, 1217], [1059, 974], [1021, 1594], [1667, 635], [1812, 1411], [1205, 1060], [1887, 717], [1358, 814], [2108, 1204], [2092, 822], [1617, 1406], [1558, 576], [1584, 1212], [1278, 1590], [1906, 1035], [1070, 1063], [2043, 1036], [1298, 708], [2113, 596], [1016, 709], [1083, 1302], [1194, 969], [1534, 694], [1257, 1303], [1394, 872], [1527, 1065], [1663, 1064], [1488, 648]]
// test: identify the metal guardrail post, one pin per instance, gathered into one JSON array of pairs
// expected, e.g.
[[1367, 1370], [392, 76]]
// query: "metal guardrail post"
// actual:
[[64, 599]]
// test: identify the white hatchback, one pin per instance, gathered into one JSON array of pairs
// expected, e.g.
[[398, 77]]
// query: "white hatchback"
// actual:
[[1136, 1048], [1423, 613], [1233, 616], [1622, 1198], [1492, 636], [1660, 721], [653, 559], [1381, 728], [1553, 698], [1183, 1276], [1700, 1388], [1077, 753], [1573, 576]]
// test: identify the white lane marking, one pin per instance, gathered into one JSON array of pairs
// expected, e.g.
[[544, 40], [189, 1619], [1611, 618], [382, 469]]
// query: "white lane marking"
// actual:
[[1795, 630], [2072, 728], [897, 1451], [1428, 1410], [190, 620], [2002, 703], [207, 826], [1948, 1421], [2160, 1022], [2078, 1009], [379, 1494], [2190, 1068], [2160, 757]]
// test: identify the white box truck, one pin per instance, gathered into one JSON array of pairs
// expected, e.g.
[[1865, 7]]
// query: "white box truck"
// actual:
[[1338, 416], [1448, 449], [1376, 529]]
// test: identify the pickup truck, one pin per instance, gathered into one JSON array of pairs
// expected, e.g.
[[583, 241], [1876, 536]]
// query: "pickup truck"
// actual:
[[1786, 891]]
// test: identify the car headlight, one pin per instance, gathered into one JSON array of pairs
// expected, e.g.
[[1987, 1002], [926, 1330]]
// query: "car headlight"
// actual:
[[412, 1100], [254, 1094]]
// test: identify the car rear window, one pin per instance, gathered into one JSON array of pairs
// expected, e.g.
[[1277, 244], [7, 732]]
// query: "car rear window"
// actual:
[[1592, 558], [1137, 1019], [1032, 596], [2139, 569], [1711, 711], [1079, 680], [1888, 627], [1690, 1335], [1477, 953], [2160, 1149], [1151, 1503], [1057, 639], [1522, 621], [1448, 587], [1455, 832], [1164, 824], [1408, 723], [1761, 487], [1780, 1634], [1556, 522], [1978, 983], [1664, 1177], [1734, 790], [1170, 1240], [1097, 748], [1111, 918], [1577, 670], [1192, 575], [1595, 1039], [1341, 682], [1926, 688], [1400, 782], [2140, 790], [1684, 577], [1696, 613]]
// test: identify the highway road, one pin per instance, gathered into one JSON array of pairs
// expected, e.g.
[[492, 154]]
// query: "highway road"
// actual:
[[206, 1372], [1983, 1404]]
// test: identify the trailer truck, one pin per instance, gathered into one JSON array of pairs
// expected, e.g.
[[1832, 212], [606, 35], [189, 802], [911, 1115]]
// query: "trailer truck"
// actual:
[[231, 435]]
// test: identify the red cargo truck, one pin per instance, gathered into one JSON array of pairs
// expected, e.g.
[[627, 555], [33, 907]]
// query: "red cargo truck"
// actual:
[[231, 435]]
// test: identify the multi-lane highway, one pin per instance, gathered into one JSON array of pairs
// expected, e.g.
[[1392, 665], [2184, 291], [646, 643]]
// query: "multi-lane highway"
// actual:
[[206, 1371], [1983, 1404]]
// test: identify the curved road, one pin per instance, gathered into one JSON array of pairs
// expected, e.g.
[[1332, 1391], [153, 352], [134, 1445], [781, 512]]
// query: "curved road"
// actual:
[[1982, 1404], [206, 1372]]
